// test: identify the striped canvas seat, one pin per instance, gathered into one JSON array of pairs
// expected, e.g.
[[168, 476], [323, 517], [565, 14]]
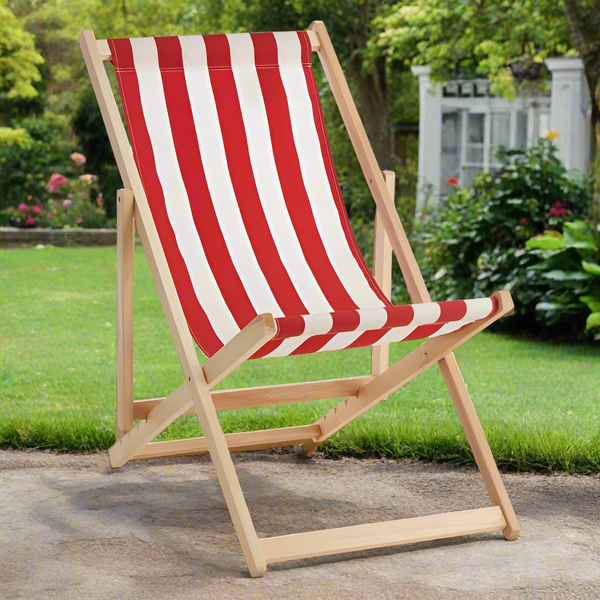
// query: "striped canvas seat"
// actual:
[[229, 139]]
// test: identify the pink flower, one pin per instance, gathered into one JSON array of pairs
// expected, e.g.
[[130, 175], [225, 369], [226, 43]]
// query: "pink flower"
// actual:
[[557, 212], [452, 181], [88, 178], [30, 221], [523, 221], [67, 203], [23, 207], [55, 182], [37, 208], [78, 220], [78, 158]]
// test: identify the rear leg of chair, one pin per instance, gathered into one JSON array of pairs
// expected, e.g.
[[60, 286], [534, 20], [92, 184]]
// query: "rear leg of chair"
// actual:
[[125, 248]]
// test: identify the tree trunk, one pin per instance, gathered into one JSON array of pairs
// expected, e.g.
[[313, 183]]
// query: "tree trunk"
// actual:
[[373, 104], [584, 18]]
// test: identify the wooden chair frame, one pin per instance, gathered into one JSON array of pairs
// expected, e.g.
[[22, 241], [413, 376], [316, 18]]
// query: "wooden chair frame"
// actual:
[[361, 393]]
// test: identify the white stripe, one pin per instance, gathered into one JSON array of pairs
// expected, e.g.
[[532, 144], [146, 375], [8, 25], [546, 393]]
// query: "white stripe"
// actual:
[[479, 308], [176, 200], [315, 176], [266, 177], [398, 334], [214, 160]]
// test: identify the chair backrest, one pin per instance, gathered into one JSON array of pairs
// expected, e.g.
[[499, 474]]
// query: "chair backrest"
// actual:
[[229, 138]]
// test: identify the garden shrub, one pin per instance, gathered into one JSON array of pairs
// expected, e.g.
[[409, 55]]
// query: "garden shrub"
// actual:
[[474, 242], [570, 267], [71, 203], [28, 158]]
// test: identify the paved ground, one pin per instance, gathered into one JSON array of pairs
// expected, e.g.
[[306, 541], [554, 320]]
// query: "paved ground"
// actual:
[[70, 528]]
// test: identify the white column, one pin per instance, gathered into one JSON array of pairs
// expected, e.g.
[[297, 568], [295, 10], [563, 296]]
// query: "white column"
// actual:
[[430, 137], [570, 111]]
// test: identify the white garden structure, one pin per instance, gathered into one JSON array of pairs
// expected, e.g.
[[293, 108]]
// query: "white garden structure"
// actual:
[[461, 124]]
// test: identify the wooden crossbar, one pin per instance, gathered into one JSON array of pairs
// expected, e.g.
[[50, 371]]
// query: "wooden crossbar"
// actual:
[[379, 535], [236, 442], [269, 395]]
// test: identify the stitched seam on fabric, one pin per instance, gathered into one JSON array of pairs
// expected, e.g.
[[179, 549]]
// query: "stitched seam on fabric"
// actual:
[[340, 201], [223, 68], [133, 146]]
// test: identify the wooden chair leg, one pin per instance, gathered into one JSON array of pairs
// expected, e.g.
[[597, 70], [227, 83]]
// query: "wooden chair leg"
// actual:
[[125, 249], [221, 457], [382, 272], [479, 444]]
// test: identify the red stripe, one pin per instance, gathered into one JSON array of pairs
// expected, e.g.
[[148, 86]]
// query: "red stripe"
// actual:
[[423, 331], [368, 338], [198, 322], [330, 168], [290, 174], [242, 177], [312, 344], [192, 172], [453, 310]]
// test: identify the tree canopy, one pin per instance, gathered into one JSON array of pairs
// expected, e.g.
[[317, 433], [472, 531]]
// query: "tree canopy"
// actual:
[[504, 40], [19, 59]]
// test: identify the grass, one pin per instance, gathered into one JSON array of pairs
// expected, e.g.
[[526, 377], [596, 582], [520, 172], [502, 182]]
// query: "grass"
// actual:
[[539, 403]]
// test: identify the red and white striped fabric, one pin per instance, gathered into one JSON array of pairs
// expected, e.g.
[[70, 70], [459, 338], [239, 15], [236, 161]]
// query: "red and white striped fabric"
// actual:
[[229, 138]]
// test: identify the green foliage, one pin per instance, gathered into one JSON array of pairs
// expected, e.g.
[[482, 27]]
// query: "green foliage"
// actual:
[[501, 39], [94, 143], [19, 59], [571, 266], [474, 242], [16, 138], [26, 166], [68, 203]]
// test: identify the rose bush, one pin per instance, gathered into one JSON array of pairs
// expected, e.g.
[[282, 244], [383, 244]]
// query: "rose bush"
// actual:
[[74, 202]]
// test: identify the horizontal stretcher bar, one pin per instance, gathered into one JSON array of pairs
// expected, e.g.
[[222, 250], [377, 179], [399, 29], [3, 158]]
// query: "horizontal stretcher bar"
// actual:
[[268, 395], [378, 535], [248, 440]]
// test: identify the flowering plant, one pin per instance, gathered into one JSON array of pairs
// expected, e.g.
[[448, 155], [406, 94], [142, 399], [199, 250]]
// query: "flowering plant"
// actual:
[[72, 203], [474, 242]]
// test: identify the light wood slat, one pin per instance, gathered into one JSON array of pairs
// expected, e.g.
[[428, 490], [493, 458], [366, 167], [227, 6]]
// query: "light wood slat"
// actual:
[[174, 405], [382, 272], [366, 157], [240, 348], [125, 248], [236, 442], [269, 395], [104, 48], [378, 535]]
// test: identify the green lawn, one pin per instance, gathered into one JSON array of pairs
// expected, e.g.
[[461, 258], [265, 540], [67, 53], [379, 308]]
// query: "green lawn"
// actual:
[[539, 403]]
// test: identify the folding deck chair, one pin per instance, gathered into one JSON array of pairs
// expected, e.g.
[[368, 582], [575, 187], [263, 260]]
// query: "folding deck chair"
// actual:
[[230, 182]]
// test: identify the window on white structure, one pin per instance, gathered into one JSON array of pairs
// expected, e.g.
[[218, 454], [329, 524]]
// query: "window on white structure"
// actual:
[[451, 148], [472, 136]]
